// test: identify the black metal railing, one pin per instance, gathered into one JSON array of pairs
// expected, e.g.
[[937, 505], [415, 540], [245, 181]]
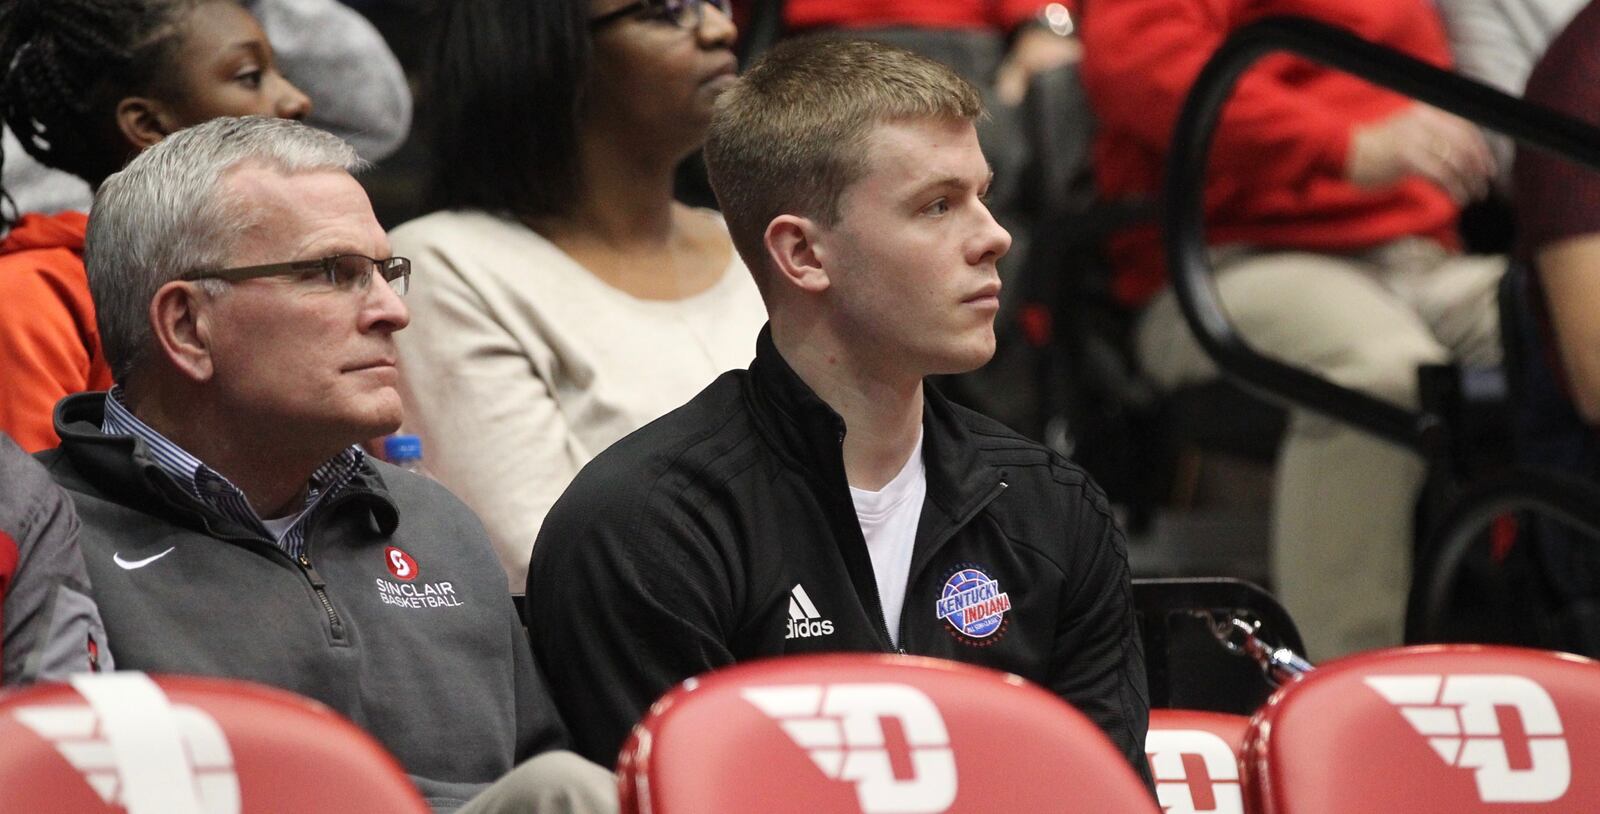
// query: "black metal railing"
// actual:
[[1192, 273]]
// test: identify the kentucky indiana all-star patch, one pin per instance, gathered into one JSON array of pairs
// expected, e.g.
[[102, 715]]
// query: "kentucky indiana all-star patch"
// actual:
[[973, 606]]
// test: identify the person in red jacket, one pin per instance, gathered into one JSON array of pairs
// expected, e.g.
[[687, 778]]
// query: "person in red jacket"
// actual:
[[1027, 36], [85, 92], [1331, 205]]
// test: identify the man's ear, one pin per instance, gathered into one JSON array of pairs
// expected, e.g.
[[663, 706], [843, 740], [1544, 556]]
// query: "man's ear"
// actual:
[[791, 243], [143, 121], [180, 317]]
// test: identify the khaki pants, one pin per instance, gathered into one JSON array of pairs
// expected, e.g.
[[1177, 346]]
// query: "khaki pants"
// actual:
[[1344, 500], [549, 783]]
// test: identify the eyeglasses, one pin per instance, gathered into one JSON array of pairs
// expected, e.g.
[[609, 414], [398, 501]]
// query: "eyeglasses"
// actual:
[[685, 14], [346, 272]]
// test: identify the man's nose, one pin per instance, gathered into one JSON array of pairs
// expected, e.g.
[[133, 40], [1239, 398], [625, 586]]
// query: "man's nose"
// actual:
[[384, 309], [991, 243]]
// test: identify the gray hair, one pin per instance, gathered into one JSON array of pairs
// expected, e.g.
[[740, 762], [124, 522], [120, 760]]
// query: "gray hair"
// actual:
[[168, 214]]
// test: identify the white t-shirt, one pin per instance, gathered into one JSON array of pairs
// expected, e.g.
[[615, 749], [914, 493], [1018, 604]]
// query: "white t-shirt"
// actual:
[[888, 520]]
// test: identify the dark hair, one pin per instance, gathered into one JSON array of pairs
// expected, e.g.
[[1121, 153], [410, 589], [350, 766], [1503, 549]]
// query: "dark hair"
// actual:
[[502, 89], [64, 65]]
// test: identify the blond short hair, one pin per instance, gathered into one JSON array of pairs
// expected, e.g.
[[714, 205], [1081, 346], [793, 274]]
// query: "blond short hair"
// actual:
[[790, 136]]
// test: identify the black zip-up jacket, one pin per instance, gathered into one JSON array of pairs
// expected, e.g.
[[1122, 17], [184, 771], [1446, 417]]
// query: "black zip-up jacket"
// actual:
[[423, 650], [678, 550]]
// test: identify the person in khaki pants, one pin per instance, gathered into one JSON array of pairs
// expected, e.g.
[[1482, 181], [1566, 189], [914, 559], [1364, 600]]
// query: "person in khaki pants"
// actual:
[[1343, 499], [1332, 207]]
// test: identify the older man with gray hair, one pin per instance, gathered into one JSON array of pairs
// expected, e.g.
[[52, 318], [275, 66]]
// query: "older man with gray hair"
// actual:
[[232, 525]]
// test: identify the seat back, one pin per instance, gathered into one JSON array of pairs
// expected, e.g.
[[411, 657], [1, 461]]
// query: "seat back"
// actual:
[[872, 734], [127, 742], [1194, 757], [1186, 666], [1447, 728]]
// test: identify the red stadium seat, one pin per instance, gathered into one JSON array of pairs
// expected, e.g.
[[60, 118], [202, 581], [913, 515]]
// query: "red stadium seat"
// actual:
[[871, 734], [1195, 759], [127, 742], [1444, 728]]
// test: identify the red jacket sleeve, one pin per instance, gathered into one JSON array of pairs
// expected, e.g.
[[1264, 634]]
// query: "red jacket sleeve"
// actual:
[[1141, 57], [1008, 14]]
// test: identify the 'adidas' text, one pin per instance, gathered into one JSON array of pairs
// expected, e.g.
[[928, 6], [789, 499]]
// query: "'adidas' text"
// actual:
[[804, 620], [806, 628]]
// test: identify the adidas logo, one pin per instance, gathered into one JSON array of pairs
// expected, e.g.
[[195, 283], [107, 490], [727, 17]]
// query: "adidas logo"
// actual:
[[841, 728], [804, 621], [1458, 715]]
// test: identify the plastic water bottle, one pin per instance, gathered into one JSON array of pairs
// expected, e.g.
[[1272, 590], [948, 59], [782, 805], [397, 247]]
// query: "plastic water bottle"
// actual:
[[404, 451]]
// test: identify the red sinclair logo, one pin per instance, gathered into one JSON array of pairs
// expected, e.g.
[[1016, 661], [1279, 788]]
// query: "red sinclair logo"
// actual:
[[400, 564], [409, 594]]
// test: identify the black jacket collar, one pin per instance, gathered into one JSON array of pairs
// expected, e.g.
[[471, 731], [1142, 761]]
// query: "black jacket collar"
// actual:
[[810, 434], [120, 467]]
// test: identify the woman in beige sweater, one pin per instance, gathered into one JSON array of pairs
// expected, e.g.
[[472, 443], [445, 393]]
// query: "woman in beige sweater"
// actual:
[[562, 298]]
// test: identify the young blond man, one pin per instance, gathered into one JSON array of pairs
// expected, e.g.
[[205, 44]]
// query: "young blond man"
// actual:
[[827, 499]]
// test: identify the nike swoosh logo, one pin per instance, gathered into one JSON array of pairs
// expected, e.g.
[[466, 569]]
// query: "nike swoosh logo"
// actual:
[[129, 565]]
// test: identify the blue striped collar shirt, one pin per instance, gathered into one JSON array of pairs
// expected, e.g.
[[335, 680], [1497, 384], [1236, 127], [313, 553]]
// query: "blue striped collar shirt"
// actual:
[[212, 489]]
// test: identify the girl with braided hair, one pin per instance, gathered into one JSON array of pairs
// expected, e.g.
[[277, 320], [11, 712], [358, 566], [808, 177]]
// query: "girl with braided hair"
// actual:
[[85, 85]]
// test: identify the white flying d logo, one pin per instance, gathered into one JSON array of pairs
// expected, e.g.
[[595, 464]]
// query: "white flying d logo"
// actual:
[[137, 750], [837, 725], [1175, 790], [1456, 713]]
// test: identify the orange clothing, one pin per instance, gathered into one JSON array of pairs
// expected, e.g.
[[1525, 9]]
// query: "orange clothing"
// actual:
[[49, 344]]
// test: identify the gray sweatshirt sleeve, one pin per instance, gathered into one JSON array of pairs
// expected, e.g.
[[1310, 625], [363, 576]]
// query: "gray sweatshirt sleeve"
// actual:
[[357, 87], [50, 624]]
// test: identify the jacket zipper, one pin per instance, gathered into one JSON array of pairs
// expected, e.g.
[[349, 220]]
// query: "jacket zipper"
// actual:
[[320, 587], [954, 527], [318, 584], [872, 585], [877, 598], [883, 623]]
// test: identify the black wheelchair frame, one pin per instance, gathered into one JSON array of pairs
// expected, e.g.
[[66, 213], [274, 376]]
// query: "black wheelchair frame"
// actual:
[[1427, 430]]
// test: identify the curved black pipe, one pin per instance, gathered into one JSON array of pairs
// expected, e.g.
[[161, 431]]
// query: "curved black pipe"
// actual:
[[1566, 498], [1185, 184]]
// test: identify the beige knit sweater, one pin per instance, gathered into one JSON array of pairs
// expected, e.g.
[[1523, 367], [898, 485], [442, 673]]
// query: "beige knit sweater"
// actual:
[[519, 365]]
